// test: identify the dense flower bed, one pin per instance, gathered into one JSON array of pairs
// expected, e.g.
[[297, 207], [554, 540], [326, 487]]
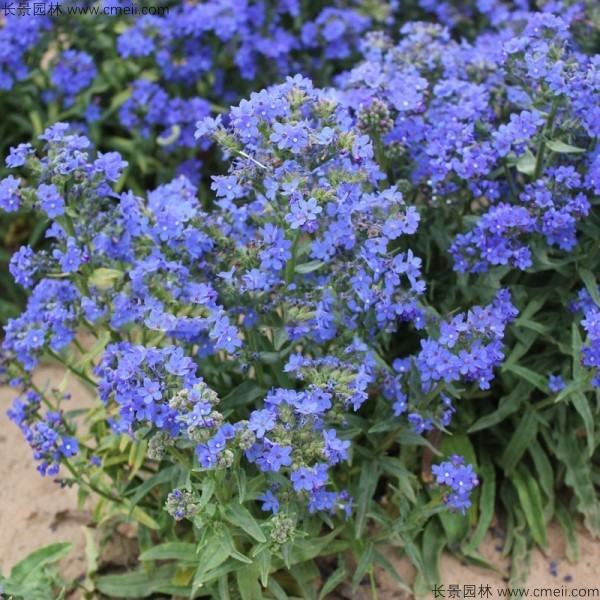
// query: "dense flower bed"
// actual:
[[359, 307]]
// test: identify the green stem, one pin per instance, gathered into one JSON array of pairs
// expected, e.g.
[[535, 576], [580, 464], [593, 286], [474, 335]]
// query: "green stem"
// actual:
[[511, 185], [71, 368], [542, 145], [290, 267], [373, 584], [180, 458], [83, 483], [258, 368]]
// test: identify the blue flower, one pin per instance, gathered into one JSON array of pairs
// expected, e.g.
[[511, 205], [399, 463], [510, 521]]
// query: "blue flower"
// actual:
[[71, 258], [261, 421], [50, 200], [292, 137], [303, 212], [110, 164], [556, 383], [276, 457], [270, 502], [9, 194], [18, 156], [150, 391]]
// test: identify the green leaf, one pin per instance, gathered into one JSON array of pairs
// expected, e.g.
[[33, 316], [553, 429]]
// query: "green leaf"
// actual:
[[264, 561], [208, 489], [309, 267], [366, 488], [241, 484], [144, 518], [269, 358], [305, 550], [533, 325], [97, 348], [213, 554], [364, 564], [531, 503], [280, 337], [433, 544], [526, 163], [246, 393], [392, 466], [224, 587], [582, 406], [384, 562], [104, 279], [227, 542], [412, 551], [336, 578], [92, 553], [507, 406], [36, 123], [487, 497], [137, 584], [521, 555], [410, 438], [562, 148], [247, 580], [456, 526], [578, 476], [171, 138], [566, 522], [576, 345], [540, 382], [386, 425], [28, 569], [305, 575], [522, 438], [275, 588], [163, 476], [545, 475], [180, 551], [459, 443], [240, 516]]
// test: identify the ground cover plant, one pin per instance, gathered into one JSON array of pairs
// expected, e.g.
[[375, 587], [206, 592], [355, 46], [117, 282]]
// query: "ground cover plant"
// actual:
[[371, 318]]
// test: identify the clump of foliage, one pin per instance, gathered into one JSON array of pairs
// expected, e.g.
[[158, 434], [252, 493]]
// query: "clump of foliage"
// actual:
[[378, 323]]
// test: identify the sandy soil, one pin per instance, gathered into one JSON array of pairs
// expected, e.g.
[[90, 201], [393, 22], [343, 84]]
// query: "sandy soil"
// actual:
[[548, 570], [34, 512]]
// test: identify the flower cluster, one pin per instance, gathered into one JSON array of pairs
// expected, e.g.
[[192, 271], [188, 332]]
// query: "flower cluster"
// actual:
[[49, 437], [298, 217], [449, 140], [278, 334], [458, 479], [300, 229], [590, 353], [467, 349], [73, 71]]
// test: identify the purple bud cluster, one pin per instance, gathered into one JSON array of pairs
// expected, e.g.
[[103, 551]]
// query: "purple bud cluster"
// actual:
[[182, 505]]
